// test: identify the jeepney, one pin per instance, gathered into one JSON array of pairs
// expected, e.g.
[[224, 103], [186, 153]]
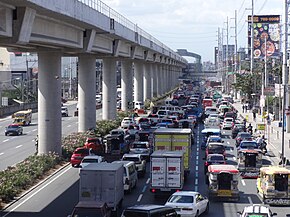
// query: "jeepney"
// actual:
[[249, 162], [273, 185], [223, 182]]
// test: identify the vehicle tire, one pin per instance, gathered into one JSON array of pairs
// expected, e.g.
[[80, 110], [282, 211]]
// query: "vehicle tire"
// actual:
[[207, 209], [197, 213], [5, 134]]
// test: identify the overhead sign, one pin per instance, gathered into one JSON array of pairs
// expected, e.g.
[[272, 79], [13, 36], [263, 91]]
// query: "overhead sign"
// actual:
[[266, 35], [269, 91]]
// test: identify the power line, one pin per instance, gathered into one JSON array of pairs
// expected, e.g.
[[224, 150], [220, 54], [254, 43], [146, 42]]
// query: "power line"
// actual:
[[262, 6]]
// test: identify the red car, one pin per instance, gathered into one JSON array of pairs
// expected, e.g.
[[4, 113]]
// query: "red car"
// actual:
[[78, 155]]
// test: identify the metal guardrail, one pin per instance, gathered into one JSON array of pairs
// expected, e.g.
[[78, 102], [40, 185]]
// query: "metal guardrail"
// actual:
[[106, 10]]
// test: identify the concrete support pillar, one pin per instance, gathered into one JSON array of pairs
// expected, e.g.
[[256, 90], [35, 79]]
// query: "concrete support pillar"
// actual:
[[147, 81], [154, 79], [49, 102], [126, 84], [87, 92], [165, 78], [109, 89], [138, 81]]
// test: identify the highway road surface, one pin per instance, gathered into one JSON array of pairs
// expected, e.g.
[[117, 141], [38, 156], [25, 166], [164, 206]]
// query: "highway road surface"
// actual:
[[57, 196]]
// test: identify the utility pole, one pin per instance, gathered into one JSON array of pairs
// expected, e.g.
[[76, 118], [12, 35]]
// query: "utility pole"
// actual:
[[285, 82]]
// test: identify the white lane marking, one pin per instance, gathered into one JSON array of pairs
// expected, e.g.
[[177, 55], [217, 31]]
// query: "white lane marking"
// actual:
[[228, 142], [36, 192], [250, 200], [68, 125], [197, 158], [243, 183], [6, 140], [195, 189], [234, 158], [196, 162], [138, 200], [148, 180], [18, 146], [1, 153], [196, 167], [34, 130], [196, 174], [196, 181], [28, 131], [197, 149]]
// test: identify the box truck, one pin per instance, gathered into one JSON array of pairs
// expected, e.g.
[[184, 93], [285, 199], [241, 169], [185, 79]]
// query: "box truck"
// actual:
[[172, 139], [166, 171], [102, 183]]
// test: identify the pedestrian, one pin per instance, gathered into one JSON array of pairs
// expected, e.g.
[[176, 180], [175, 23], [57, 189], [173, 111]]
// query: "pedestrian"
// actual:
[[254, 115], [243, 107]]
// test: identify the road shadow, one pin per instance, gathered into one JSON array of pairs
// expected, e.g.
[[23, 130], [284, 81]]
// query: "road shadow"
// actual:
[[266, 162]]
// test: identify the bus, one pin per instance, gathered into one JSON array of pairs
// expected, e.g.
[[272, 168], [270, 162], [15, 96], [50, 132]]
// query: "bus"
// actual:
[[22, 117]]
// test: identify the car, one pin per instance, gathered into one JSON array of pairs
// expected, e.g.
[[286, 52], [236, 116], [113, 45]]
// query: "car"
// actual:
[[91, 159], [139, 161], [248, 145], [228, 124], [212, 159], [256, 210], [149, 210], [188, 203], [64, 111], [78, 156], [243, 136], [215, 148], [238, 127], [91, 208], [126, 122], [213, 139], [142, 148], [13, 129]]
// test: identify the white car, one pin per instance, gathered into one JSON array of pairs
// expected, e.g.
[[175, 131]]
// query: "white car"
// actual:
[[126, 122], [188, 203], [228, 124], [256, 210], [91, 159]]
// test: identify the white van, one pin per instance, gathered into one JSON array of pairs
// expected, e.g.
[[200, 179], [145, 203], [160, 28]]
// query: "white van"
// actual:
[[130, 175], [138, 105]]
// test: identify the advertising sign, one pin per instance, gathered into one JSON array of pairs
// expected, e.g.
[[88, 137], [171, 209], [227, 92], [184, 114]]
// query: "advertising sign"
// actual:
[[266, 35]]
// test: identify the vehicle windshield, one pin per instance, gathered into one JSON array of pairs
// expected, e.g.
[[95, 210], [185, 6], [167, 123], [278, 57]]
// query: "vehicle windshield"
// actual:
[[82, 151], [249, 145], [180, 199], [216, 158], [90, 161], [216, 147], [215, 139], [135, 159], [138, 145], [256, 215], [245, 135]]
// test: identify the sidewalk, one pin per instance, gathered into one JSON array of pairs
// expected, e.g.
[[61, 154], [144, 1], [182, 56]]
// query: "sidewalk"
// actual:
[[273, 132]]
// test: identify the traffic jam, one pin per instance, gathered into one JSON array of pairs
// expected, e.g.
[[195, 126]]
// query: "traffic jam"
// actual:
[[196, 134]]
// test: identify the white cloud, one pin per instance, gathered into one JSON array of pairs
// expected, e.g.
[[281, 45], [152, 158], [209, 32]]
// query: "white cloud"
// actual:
[[192, 24]]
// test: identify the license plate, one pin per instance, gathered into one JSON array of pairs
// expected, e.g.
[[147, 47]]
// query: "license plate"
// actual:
[[224, 193], [165, 189]]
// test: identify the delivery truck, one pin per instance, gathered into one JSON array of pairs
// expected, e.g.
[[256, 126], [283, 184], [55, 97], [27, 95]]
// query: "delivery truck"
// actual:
[[172, 139], [166, 172], [102, 183]]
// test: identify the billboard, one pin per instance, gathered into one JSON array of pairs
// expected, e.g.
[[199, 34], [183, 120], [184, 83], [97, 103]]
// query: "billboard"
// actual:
[[266, 35]]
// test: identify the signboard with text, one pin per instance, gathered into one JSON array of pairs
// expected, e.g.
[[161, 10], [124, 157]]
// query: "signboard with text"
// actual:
[[266, 35]]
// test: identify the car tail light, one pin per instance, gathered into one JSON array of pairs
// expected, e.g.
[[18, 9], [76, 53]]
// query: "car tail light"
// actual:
[[153, 190], [206, 163]]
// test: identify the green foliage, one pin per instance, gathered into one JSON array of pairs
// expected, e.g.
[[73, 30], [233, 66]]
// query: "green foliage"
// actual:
[[14, 180]]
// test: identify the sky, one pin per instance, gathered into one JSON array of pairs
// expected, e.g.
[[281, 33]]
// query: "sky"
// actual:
[[193, 24]]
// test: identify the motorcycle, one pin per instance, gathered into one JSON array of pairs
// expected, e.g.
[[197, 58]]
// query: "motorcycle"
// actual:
[[263, 146]]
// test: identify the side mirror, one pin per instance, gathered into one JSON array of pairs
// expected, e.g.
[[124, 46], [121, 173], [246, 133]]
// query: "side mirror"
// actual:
[[239, 212], [223, 141]]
